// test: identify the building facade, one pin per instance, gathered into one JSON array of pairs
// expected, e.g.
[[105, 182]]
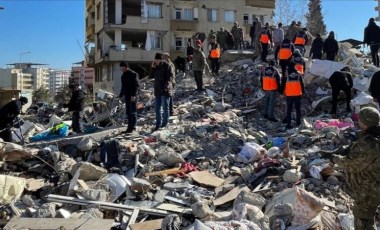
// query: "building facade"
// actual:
[[58, 79], [84, 76], [377, 9], [134, 30]]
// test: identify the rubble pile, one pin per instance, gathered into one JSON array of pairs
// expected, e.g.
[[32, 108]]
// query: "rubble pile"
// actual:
[[218, 165]]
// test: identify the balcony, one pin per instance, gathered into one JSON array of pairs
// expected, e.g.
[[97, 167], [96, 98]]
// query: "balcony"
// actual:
[[90, 4], [134, 22], [132, 54], [90, 32], [261, 3], [183, 25]]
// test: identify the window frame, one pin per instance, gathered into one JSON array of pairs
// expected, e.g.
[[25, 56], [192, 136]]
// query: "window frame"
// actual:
[[210, 15], [225, 16]]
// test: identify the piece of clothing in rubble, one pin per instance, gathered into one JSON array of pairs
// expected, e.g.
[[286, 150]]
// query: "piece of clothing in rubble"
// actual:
[[57, 131], [374, 86], [316, 50], [130, 85], [341, 81], [199, 65], [76, 106], [361, 165], [331, 47], [372, 39], [8, 115], [293, 88], [109, 153], [284, 53], [270, 84]]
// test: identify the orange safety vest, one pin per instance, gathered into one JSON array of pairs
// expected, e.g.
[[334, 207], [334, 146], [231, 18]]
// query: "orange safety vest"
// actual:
[[299, 68], [264, 38], [285, 53], [293, 87], [269, 82], [215, 53], [300, 40]]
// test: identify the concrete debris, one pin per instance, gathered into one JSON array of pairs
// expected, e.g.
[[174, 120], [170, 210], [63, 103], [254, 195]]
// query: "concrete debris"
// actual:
[[218, 163]]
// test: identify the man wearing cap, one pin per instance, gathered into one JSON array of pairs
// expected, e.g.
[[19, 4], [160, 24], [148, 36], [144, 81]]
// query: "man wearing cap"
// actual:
[[361, 164], [166, 57], [8, 114], [237, 32], [163, 89], [199, 65], [76, 105], [221, 39], [130, 86], [341, 81]]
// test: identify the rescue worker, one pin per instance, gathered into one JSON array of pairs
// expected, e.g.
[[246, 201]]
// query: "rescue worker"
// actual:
[[361, 165], [341, 81], [299, 62], [237, 33], [212, 36], [374, 87], [331, 47], [8, 114], [372, 39], [270, 84], [316, 50], [300, 40], [221, 39], [199, 65], [76, 105], [166, 57], [284, 53], [278, 36], [292, 87], [215, 58], [229, 40], [253, 30], [265, 41], [292, 30]]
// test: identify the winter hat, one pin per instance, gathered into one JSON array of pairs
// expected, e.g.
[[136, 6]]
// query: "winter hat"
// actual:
[[158, 56], [23, 100], [369, 116]]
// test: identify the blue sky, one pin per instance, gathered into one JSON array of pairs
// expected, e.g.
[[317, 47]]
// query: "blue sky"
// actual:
[[50, 29]]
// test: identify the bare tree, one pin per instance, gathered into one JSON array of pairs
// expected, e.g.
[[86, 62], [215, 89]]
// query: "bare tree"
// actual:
[[290, 10]]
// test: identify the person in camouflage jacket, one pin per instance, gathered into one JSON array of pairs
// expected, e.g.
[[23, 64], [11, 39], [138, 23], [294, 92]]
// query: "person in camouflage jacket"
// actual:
[[361, 165]]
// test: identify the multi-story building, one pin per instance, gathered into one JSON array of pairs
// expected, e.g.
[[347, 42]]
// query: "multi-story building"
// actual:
[[84, 76], [39, 75], [58, 80], [134, 30], [377, 8]]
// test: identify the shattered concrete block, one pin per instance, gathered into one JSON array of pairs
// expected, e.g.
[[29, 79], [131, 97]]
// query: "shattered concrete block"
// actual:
[[201, 209], [85, 144], [172, 186], [251, 198], [201, 132], [252, 213], [140, 185], [170, 158], [95, 194], [88, 171], [292, 176], [171, 221], [92, 213], [46, 211], [28, 201], [11, 188], [63, 213]]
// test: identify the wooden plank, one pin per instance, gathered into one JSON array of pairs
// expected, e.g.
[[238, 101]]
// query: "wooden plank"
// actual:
[[206, 178], [230, 196], [134, 216], [57, 223], [166, 172], [174, 208], [151, 225], [83, 184]]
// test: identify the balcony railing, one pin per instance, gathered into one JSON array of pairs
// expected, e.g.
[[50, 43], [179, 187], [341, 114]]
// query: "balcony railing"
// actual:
[[183, 25], [261, 3]]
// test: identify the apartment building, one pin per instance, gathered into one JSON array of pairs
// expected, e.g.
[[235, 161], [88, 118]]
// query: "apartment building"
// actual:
[[39, 75], [57, 80], [84, 76], [134, 30], [377, 8]]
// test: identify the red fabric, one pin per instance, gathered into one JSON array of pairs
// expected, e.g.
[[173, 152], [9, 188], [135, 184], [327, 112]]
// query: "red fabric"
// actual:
[[188, 167]]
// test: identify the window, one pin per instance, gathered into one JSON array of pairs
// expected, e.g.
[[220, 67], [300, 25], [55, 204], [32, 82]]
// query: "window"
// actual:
[[245, 19], [178, 14], [178, 43], [93, 15], [156, 42], [154, 11], [212, 15], [184, 14], [98, 11], [229, 16], [98, 74]]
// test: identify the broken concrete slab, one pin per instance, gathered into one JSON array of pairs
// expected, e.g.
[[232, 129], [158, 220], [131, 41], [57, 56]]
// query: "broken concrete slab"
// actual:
[[206, 178], [88, 171], [230, 196]]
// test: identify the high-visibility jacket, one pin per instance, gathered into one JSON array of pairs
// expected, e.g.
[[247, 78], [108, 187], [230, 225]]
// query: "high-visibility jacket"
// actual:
[[293, 86], [215, 53], [300, 39], [299, 68], [264, 38], [269, 81], [285, 53]]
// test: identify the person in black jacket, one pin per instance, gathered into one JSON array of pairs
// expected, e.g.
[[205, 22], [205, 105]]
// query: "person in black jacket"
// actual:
[[163, 89], [8, 114], [331, 47], [76, 105], [341, 80], [374, 86], [372, 39], [130, 86], [316, 50]]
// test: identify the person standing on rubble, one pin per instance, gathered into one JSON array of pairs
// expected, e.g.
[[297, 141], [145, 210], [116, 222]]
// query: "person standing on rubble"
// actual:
[[372, 39], [229, 40], [237, 33], [199, 65], [163, 89], [265, 41], [270, 84], [374, 86], [214, 56], [331, 47], [221, 39], [130, 85], [341, 81], [292, 87], [292, 30], [361, 165], [76, 105], [284, 53], [278, 36], [299, 62], [300, 40], [166, 57], [316, 50], [254, 30], [8, 114]]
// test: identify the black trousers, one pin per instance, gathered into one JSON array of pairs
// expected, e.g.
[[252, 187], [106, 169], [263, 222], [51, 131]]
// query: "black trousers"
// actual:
[[330, 57], [284, 65], [77, 121], [131, 112], [198, 76], [6, 134], [335, 95], [264, 51], [374, 54], [215, 65], [296, 101]]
